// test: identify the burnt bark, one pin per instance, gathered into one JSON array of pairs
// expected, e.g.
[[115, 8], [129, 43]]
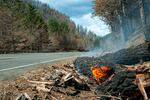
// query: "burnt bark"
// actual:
[[130, 56]]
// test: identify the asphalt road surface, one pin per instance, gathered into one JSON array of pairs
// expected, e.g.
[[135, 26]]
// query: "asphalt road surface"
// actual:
[[13, 64]]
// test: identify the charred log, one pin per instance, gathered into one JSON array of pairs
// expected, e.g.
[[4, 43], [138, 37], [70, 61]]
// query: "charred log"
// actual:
[[122, 84], [130, 56]]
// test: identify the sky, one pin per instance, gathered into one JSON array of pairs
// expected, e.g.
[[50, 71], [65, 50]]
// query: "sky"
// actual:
[[80, 11]]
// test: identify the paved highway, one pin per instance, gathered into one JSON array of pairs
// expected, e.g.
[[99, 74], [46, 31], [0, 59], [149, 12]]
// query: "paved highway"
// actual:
[[13, 64]]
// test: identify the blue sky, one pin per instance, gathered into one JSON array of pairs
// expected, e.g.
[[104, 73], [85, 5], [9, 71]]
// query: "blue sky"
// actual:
[[80, 11]]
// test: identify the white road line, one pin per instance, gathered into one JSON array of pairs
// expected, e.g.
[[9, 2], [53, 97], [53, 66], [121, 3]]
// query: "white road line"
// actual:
[[28, 65], [6, 57]]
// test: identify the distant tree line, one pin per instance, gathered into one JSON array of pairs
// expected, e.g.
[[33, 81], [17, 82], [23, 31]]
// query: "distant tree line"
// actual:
[[31, 26]]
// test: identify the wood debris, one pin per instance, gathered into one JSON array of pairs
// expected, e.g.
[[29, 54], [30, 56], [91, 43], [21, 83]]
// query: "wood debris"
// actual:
[[23, 96], [65, 83]]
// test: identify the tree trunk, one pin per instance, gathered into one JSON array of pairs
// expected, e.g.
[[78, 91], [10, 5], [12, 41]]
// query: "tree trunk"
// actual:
[[141, 4]]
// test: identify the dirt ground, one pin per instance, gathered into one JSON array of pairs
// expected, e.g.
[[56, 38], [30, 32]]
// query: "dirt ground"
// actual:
[[21, 88], [11, 89]]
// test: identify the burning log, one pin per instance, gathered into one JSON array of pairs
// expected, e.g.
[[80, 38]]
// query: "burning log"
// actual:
[[84, 64], [122, 84], [130, 83]]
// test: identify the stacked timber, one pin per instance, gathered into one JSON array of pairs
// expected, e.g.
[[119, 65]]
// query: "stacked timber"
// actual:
[[132, 55]]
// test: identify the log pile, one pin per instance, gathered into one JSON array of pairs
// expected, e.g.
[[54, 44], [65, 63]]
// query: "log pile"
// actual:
[[129, 82], [129, 56], [50, 83], [132, 83], [61, 78], [83, 65]]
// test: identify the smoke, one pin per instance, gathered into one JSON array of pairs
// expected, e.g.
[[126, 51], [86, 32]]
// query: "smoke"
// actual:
[[130, 31]]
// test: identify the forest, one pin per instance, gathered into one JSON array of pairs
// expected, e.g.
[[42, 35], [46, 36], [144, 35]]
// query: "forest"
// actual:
[[31, 26], [128, 20]]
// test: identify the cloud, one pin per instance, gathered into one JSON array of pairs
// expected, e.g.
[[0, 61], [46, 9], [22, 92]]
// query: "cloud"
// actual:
[[59, 3], [92, 23], [80, 12], [71, 7]]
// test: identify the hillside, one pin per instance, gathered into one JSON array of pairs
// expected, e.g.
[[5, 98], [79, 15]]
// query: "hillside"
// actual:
[[30, 26]]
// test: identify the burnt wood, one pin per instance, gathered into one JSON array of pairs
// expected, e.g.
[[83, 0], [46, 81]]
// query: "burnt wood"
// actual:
[[129, 56]]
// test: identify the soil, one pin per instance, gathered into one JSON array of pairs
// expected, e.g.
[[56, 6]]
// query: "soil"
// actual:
[[11, 89], [122, 84]]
